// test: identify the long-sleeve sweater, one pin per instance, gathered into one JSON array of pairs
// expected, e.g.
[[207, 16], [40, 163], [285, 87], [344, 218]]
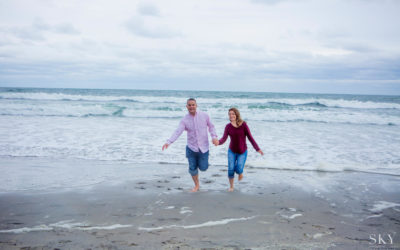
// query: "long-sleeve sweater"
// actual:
[[238, 138]]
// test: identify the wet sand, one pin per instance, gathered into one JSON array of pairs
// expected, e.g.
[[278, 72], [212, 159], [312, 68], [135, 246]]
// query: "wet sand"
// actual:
[[162, 213]]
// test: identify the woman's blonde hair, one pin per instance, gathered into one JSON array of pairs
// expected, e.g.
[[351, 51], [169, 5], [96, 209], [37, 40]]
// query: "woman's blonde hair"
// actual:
[[239, 120]]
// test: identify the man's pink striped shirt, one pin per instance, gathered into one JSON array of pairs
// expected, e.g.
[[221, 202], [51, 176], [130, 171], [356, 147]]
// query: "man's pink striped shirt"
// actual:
[[196, 127]]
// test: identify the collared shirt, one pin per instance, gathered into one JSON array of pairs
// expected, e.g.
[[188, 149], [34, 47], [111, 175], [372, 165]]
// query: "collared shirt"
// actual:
[[196, 127]]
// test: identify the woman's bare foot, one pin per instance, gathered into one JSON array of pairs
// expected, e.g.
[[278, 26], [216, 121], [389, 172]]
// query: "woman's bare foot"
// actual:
[[240, 177], [230, 189], [195, 189]]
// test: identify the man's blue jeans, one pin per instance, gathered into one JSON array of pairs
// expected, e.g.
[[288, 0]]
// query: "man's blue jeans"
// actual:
[[197, 160], [236, 163]]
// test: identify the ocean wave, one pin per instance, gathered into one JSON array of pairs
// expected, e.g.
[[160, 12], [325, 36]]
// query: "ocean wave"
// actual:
[[216, 115], [282, 105], [322, 103], [331, 122], [97, 98], [260, 103]]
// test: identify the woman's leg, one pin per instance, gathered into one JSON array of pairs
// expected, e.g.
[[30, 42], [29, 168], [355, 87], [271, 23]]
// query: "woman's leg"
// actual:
[[231, 180], [231, 168], [241, 160]]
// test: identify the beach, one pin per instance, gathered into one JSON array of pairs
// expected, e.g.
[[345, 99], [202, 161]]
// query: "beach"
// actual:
[[85, 169], [287, 210]]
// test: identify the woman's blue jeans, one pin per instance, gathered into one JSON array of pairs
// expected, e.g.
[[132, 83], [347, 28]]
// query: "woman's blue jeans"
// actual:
[[236, 163]]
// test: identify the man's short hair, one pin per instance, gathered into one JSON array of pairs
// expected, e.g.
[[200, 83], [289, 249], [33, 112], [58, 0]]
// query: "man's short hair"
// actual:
[[191, 99]]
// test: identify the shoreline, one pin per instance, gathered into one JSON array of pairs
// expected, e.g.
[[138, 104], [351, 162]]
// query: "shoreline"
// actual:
[[280, 210], [42, 174]]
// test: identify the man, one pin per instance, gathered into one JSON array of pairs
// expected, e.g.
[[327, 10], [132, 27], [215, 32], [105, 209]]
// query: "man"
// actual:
[[195, 123]]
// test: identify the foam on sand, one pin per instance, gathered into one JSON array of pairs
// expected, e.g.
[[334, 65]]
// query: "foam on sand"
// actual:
[[382, 205], [185, 210], [291, 216], [64, 225], [205, 224]]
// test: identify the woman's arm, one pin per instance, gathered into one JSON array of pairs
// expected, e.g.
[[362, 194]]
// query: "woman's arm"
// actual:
[[251, 139], [224, 137]]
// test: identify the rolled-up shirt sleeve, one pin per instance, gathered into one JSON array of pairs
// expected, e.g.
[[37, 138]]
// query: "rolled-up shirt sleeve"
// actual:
[[177, 133]]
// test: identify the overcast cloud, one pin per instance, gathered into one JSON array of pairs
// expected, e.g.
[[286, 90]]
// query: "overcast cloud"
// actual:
[[333, 46]]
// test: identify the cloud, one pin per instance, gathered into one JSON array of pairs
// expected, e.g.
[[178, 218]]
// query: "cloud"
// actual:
[[39, 29], [65, 28], [26, 33], [148, 9], [238, 44], [137, 26], [149, 23], [273, 2]]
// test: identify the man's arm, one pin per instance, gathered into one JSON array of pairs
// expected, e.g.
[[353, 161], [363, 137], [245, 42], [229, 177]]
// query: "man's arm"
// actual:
[[211, 130], [175, 135]]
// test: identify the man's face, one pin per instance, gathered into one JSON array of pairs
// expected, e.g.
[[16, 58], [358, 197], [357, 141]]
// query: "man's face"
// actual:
[[191, 107]]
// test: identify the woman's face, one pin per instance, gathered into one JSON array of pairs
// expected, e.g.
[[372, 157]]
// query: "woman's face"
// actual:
[[232, 116]]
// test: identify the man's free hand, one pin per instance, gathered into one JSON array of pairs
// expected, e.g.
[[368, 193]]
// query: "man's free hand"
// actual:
[[165, 146]]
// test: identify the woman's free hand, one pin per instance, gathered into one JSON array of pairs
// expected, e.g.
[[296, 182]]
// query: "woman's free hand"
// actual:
[[261, 152]]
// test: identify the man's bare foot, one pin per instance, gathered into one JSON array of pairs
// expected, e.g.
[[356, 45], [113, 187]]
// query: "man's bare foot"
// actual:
[[195, 189], [230, 189], [240, 177]]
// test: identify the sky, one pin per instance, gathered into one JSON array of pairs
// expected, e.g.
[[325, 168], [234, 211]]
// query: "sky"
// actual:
[[314, 46]]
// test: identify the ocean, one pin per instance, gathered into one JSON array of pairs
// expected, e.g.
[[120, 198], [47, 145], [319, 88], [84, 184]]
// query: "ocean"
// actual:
[[301, 132]]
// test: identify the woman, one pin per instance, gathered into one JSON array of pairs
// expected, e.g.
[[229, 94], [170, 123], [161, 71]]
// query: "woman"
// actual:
[[237, 130]]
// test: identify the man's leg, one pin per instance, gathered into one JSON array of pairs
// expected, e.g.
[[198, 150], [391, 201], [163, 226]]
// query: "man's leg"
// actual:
[[196, 183], [193, 163], [202, 164]]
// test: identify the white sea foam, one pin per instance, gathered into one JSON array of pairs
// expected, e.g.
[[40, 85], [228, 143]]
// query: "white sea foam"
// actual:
[[291, 217], [28, 229], [205, 224], [374, 216], [382, 205], [68, 224], [185, 210], [319, 235]]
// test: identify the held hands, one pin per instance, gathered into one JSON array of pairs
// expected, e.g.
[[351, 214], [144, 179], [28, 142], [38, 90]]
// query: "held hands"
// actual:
[[165, 146], [215, 142], [261, 152]]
